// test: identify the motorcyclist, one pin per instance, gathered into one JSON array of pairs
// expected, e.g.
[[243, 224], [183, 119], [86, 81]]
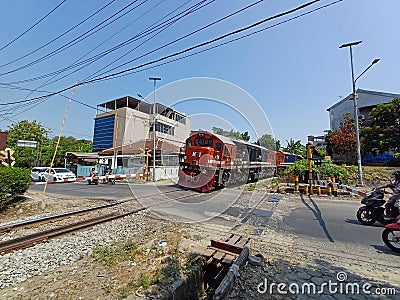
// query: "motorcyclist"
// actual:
[[390, 207], [92, 172]]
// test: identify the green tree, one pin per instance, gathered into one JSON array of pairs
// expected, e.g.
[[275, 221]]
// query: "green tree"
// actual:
[[31, 131], [232, 134], [383, 133], [295, 147], [267, 141], [67, 144]]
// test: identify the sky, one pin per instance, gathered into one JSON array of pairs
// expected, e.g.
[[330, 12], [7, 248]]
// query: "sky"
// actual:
[[279, 81]]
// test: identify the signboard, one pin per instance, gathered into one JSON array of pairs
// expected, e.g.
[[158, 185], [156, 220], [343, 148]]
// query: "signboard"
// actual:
[[26, 144], [8, 159]]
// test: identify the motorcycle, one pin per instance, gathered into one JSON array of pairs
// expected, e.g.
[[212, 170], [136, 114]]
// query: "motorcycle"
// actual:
[[93, 179], [373, 209], [391, 235]]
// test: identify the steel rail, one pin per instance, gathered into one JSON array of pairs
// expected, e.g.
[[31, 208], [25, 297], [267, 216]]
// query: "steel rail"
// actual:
[[39, 237], [61, 216]]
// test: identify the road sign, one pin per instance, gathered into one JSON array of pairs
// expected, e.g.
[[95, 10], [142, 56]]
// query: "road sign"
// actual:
[[8, 159], [26, 144]]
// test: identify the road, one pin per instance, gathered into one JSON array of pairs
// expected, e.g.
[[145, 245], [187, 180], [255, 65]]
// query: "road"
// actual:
[[227, 207], [333, 221]]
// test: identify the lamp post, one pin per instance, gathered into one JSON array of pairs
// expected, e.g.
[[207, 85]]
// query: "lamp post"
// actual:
[[154, 125], [355, 96]]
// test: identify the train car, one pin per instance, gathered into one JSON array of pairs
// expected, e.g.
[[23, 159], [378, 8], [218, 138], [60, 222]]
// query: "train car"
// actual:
[[210, 161]]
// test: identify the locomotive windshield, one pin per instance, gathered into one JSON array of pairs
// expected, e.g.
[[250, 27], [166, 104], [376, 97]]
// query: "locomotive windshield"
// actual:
[[188, 142], [203, 142]]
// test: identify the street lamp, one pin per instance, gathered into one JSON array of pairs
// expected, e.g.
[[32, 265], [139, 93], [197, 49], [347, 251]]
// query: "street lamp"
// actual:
[[154, 126], [349, 45]]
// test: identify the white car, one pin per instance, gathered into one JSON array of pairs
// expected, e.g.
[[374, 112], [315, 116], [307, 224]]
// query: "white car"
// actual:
[[36, 173], [57, 175]]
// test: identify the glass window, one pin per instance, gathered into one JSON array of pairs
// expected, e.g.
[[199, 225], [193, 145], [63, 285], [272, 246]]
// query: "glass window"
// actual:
[[181, 119], [188, 142], [218, 146], [198, 142], [208, 142]]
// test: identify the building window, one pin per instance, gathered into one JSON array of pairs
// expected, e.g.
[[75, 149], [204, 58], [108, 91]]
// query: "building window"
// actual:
[[164, 128], [103, 133], [181, 119]]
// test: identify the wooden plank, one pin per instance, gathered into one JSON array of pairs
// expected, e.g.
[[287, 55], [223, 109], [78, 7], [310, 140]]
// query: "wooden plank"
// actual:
[[243, 241], [208, 253], [234, 239], [224, 246], [228, 259], [219, 255]]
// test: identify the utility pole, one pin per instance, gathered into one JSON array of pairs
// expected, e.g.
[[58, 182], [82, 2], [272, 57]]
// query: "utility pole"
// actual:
[[154, 126]]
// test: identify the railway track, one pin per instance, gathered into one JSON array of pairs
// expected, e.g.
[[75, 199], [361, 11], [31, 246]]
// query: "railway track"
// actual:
[[29, 240], [57, 217]]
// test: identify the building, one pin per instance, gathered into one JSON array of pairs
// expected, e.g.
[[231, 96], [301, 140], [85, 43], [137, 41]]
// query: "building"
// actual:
[[123, 132], [367, 100], [3, 140]]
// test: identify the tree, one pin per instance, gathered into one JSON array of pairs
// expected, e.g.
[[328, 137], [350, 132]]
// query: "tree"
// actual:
[[267, 141], [295, 147], [67, 144], [31, 131], [383, 133], [343, 140], [232, 134]]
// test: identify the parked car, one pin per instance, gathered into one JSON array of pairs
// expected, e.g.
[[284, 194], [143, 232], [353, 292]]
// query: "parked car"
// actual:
[[36, 173], [57, 174]]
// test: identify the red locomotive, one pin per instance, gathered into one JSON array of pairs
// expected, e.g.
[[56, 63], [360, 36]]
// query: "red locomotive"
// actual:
[[211, 161]]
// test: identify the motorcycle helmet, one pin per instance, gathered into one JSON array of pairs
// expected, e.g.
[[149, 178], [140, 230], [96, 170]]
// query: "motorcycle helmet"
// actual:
[[396, 174]]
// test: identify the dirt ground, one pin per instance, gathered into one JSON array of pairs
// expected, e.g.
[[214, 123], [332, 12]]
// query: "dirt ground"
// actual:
[[143, 268]]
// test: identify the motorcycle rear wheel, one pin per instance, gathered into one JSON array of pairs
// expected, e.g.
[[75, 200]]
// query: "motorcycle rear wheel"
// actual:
[[391, 237], [365, 216]]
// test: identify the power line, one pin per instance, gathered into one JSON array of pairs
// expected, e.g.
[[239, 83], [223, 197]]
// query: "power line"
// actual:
[[152, 28], [78, 39], [34, 25], [117, 74], [59, 36], [228, 42], [201, 44]]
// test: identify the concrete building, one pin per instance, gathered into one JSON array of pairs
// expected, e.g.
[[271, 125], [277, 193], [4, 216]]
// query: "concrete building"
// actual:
[[3, 140], [367, 100], [123, 130]]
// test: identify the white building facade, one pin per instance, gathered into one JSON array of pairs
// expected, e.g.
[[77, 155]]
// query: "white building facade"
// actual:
[[123, 132]]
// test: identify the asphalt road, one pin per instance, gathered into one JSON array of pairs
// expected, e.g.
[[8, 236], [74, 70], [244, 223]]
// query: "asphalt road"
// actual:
[[329, 220], [333, 221]]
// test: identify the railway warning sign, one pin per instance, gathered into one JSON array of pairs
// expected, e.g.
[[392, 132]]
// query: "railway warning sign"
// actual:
[[7, 157]]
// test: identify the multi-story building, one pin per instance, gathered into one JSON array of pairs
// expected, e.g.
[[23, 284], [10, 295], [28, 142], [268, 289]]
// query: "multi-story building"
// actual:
[[367, 100], [123, 131]]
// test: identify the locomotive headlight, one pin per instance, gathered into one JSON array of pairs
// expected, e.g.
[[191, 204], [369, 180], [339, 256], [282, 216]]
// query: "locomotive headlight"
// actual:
[[204, 171]]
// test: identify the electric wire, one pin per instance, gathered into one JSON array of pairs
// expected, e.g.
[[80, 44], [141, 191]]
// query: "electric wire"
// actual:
[[228, 42], [34, 25], [79, 38], [118, 74], [98, 56], [176, 40], [59, 36], [176, 53]]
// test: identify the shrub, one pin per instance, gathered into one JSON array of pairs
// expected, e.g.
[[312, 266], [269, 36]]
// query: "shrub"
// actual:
[[326, 170], [13, 183]]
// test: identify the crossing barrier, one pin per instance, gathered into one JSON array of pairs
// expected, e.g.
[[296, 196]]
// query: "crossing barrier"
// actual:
[[332, 186]]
